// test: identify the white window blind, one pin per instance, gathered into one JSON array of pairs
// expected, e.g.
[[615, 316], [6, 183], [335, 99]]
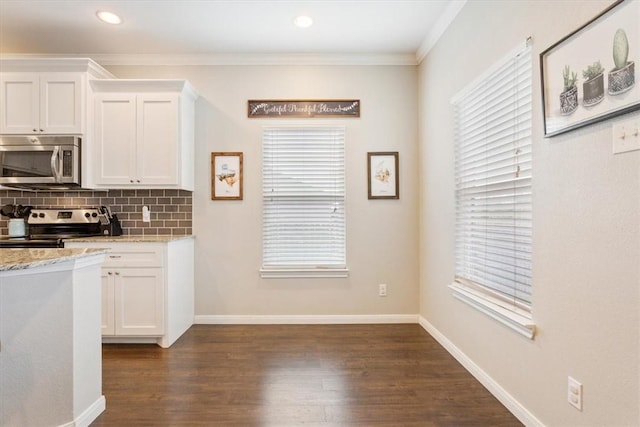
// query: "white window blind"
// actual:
[[493, 184], [303, 197]]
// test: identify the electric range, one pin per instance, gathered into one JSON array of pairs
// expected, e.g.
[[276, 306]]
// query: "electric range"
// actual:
[[48, 228]]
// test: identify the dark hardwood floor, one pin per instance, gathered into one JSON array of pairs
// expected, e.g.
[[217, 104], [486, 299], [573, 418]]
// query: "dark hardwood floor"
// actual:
[[295, 375]]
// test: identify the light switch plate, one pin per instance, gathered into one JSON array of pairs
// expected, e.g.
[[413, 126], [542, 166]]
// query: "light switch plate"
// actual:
[[626, 136], [574, 393]]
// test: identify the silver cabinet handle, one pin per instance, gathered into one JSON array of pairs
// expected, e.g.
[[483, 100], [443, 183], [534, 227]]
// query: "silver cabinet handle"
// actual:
[[115, 256]]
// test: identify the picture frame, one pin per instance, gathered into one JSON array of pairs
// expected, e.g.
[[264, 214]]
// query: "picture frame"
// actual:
[[303, 108], [226, 176], [590, 74], [383, 180]]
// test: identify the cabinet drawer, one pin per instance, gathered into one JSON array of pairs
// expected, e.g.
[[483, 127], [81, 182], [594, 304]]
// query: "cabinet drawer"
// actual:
[[124, 255], [134, 257]]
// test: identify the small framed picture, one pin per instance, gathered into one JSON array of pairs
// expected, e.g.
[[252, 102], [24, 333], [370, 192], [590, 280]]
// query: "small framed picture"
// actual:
[[383, 181], [226, 176]]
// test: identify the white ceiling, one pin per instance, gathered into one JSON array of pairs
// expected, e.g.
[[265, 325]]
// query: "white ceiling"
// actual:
[[205, 27]]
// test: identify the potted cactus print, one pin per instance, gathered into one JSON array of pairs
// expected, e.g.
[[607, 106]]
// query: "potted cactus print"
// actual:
[[622, 77], [593, 86], [569, 95]]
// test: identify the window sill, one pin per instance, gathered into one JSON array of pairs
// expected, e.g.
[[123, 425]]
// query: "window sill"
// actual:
[[518, 322], [301, 273]]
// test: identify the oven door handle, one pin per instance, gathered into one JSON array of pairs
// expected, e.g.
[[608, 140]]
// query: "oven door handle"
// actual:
[[55, 163]]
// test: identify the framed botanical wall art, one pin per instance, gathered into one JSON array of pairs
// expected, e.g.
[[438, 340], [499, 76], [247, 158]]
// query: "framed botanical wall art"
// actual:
[[226, 176], [382, 173], [590, 75]]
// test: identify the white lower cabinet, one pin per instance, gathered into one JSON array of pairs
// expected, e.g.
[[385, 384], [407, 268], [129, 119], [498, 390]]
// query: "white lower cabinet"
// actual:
[[147, 290], [133, 301]]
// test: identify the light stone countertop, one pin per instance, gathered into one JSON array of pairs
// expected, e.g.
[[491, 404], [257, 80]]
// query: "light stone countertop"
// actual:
[[130, 239], [20, 259]]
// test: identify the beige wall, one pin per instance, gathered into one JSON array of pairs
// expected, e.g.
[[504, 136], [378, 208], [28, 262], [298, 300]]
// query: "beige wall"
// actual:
[[586, 251], [382, 241]]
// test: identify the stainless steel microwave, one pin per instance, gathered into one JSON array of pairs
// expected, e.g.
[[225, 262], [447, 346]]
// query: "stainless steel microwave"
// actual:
[[40, 162]]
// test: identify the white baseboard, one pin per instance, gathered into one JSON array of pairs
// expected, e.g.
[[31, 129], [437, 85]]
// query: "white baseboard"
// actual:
[[89, 415], [131, 340], [303, 319], [515, 407]]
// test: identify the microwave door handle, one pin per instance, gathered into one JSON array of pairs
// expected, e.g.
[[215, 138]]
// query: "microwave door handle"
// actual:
[[55, 171]]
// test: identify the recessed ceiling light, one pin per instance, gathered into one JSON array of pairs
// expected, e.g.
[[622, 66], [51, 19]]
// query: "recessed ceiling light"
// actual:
[[109, 17], [303, 21]]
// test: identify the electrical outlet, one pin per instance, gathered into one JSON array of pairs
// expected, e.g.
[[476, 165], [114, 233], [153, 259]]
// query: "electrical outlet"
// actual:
[[146, 214], [574, 393], [382, 290], [626, 136]]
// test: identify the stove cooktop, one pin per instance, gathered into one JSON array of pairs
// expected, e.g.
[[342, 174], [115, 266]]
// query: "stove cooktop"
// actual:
[[26, 242], [48, 227]]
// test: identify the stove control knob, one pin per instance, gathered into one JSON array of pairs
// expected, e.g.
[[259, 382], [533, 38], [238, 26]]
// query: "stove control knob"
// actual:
[[95, 215], [41, 215], [87, 214], [34, 215]]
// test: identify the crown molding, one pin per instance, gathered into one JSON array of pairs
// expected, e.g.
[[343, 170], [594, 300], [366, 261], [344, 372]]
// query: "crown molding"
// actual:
[[439, 28], [17, 63], [258, 59], [104, 59], [144, 85]]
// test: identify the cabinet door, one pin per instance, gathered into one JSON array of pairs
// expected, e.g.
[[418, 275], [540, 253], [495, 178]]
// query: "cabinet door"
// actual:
[[139, 301], [157, 139], [19, 99], [115, 139], [108, 314], [61, 103]]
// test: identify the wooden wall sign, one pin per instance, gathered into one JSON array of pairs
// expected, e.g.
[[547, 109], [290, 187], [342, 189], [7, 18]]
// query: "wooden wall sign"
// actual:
[[303, 108]]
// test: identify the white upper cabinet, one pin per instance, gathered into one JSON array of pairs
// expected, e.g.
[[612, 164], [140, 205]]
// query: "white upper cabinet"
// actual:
[[42, 103], [114, 138], [45, 96], [20, 95], [158, 122], [144, 134]]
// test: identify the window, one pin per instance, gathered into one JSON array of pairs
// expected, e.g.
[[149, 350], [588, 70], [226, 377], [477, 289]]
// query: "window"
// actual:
[[303, 195], [493, 192]]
